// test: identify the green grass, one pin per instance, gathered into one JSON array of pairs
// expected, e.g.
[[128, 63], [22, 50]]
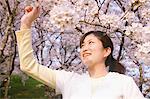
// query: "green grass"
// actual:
[[32, 89]]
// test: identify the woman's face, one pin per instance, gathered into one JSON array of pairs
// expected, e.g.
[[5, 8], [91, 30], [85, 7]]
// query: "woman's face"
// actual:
[[92, 51]]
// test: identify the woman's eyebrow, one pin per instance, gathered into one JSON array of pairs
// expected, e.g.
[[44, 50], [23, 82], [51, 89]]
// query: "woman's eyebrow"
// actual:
[[88, 40]]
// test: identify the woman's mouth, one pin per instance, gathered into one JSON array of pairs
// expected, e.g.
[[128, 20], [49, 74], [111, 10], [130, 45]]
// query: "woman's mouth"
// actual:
[[86, 54]]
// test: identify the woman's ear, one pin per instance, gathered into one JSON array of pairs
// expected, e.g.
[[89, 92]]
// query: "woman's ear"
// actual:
[[107, 51]]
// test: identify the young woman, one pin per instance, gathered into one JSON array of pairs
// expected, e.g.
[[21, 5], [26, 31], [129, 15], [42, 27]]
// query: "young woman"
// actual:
[[96, 53]]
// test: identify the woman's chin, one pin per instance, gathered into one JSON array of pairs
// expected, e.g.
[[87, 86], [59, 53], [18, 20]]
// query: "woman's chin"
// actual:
[[88, 63]]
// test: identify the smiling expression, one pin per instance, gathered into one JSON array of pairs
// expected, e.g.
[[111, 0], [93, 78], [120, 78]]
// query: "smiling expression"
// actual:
[[92, 51]]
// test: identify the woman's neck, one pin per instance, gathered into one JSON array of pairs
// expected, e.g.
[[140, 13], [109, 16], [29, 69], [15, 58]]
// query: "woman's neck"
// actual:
[[98, 70]]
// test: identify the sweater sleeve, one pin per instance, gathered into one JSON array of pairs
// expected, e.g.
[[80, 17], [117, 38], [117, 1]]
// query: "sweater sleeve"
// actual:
[[28, 64], [131, 90]]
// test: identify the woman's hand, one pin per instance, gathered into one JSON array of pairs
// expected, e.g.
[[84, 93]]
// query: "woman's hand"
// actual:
[[31, 13]]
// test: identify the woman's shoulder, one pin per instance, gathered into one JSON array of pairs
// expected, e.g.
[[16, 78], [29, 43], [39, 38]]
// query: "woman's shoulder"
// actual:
[[118, 76], [118, 79], [66, 74]]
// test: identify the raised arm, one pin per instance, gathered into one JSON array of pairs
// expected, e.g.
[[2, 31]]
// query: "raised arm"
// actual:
[[28, 63]]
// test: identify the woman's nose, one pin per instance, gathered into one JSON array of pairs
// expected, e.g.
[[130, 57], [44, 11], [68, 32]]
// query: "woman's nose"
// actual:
[[85, 48]]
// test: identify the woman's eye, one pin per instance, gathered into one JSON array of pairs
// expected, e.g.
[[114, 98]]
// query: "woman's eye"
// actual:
[[82, 45], [91, 42]]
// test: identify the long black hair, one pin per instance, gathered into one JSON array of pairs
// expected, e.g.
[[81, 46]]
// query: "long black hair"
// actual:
[[114, 65]]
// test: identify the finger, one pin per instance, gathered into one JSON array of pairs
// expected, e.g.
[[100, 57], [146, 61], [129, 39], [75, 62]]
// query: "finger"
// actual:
[[28, 9], [36, 10]]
